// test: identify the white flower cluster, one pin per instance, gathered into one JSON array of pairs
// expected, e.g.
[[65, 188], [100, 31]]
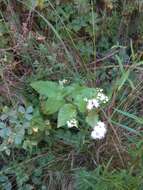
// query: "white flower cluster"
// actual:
[[95, 102], [62, 82], [72, 123], [102, 97], [99, 130], [92, 103]]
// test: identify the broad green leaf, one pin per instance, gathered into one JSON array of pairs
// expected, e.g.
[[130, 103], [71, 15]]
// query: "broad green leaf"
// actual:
[[66, 113], [52, 105], [89, 92], [76, 89], [92, 118], [73, 89], [80, 103], [47, 88]]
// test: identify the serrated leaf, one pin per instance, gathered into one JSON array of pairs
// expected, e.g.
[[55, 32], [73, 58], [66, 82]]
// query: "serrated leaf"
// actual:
[[80, 103], [89, 92], [66, 113], [52, 105], [47, 88], [92, 118]]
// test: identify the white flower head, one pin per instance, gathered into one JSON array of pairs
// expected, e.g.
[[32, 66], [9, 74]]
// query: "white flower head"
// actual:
[[72, 123], [102, 97], [101, 124], [99, 131], [35, 129], [62, 82], [99, 89], [92, 103]]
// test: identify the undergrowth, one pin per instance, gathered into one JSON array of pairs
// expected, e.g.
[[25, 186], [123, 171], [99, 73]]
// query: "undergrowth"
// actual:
[[69, 68]]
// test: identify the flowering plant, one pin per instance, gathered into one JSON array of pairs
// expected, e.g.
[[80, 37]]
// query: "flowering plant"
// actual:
[[68, 101]]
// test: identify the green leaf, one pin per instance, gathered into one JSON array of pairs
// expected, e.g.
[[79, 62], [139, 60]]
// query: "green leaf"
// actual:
[[4, 28], [123, 71], [52, 105], [29, 109], [79, 93], [47, 88], [123, 79], [73, 89], [132, 116], [80, 103], [5, 132], [76, 89], [5, 183], [126, 127], [3, 117], [88, 92], [66, 113], [37, 121], [92, 118], [21, 109], [31, 4], [19, 136], [28, 116], [2, 125]]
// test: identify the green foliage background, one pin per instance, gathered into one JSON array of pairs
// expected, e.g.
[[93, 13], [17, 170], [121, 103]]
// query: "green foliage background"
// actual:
[[95, 43]]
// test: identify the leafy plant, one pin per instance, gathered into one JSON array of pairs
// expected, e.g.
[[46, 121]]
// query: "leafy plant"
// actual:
[[13, 126], [68, 101]]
